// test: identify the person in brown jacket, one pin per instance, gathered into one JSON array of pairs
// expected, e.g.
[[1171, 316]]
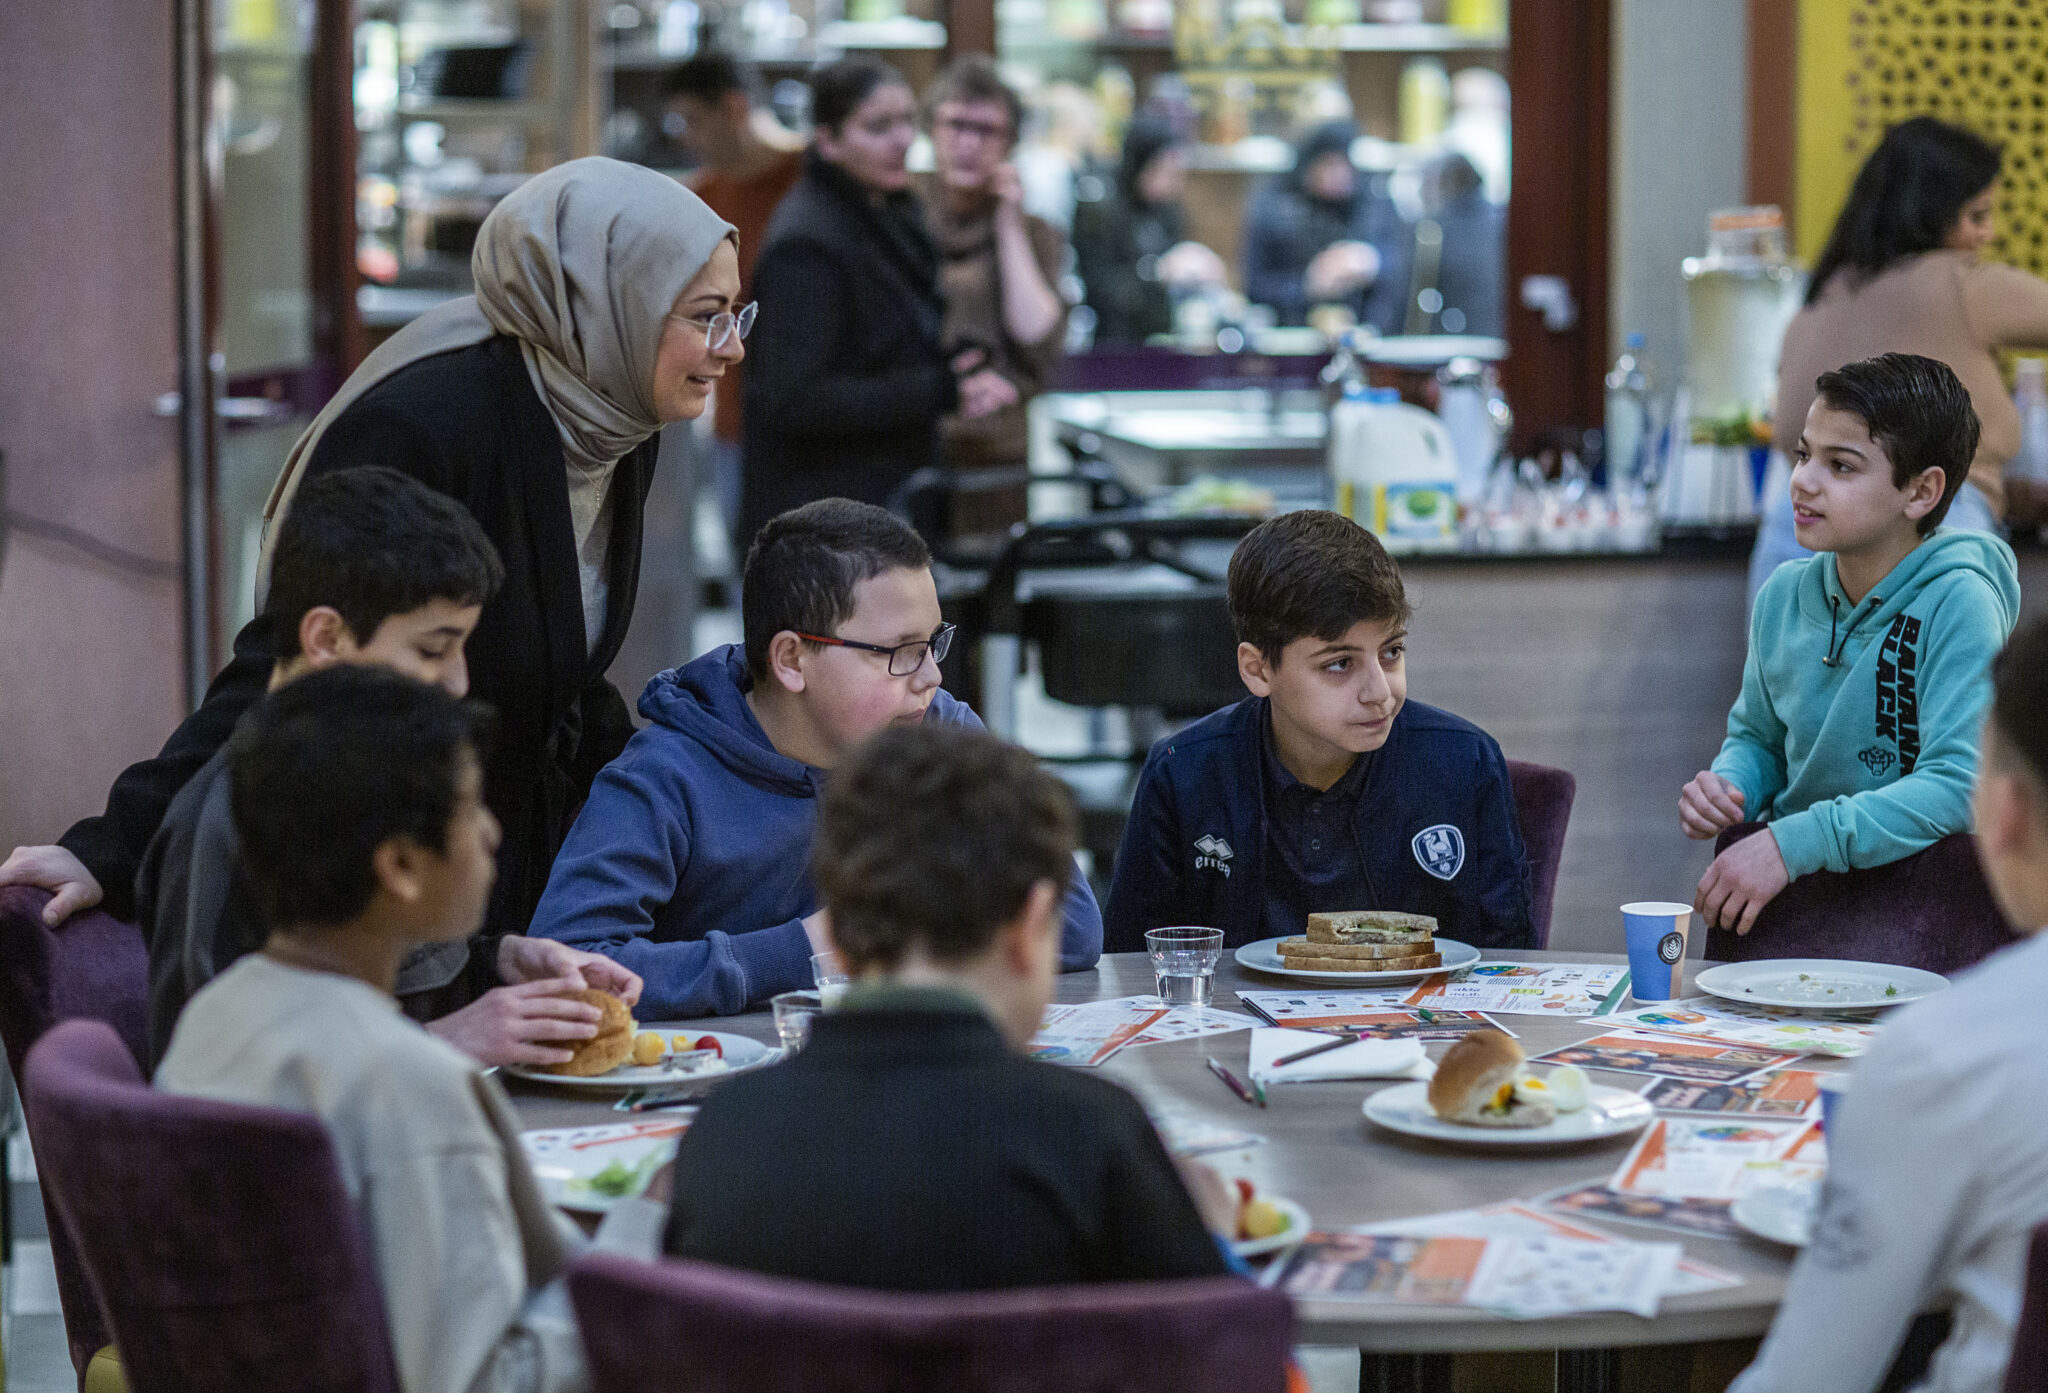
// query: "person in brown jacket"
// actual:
[[998, 269]]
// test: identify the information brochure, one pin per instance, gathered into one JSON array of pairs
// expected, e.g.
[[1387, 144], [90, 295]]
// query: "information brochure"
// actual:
[[1526, 989], [1514, 1219], [1843, 1034], [1089, 1033], [1712, 1159], [1526, 1278], [1596, 1201], [1780, 1093], [1193, 1136], [1365, 1014], [1643, 1052]]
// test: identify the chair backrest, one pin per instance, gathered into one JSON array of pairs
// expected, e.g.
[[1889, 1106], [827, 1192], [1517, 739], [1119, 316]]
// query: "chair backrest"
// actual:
[[691, 1327], [1543, 806], [219, 1239], [2027, 1372], [1932, 910], [92, 965]]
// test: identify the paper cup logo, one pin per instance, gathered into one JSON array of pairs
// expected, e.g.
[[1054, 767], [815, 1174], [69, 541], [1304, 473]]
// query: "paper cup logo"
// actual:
[[1671, 947]]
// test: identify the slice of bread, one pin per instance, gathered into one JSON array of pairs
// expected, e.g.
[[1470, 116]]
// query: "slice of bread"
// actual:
[[1310, 964], [1303, 947], [1370, 926]]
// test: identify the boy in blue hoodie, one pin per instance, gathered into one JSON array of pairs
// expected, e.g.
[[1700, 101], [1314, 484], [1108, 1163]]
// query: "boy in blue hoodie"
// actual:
[[1326, 789], [1855, 736], [689, 862]]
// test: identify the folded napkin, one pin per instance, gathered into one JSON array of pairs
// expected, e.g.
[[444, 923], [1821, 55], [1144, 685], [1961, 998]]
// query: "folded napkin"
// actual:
[[1362, 1059]]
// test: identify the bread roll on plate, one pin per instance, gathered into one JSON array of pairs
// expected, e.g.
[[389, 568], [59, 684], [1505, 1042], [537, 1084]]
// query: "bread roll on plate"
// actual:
[[1475, 1085], [609, 1048]]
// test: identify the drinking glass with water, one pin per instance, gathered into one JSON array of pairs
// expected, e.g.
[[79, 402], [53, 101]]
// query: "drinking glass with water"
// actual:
[[1184, 963]]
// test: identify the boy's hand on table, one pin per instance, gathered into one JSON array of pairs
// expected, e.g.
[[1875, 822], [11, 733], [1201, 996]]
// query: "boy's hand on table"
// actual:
[[1742, 880], [515, 1025], [1708, 806], [523, 959], [72, 887], [1214, 1199]]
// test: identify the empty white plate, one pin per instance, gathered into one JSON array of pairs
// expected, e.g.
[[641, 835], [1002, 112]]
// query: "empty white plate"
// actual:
[[1781, 1213], [1819, 984]]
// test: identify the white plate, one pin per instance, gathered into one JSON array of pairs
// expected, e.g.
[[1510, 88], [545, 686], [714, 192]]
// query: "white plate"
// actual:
[[741, 1054], [1832, 984], [1609, 1112], [1781, 1213], [567, 1166], [1297, 1225], [1264, 956]]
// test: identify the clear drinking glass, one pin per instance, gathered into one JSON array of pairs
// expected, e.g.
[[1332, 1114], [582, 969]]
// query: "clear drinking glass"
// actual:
[[1184, 963], [828, 970], [794, 1012]]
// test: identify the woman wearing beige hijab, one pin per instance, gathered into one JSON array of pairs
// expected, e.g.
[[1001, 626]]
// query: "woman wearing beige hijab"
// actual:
[[605, 308]]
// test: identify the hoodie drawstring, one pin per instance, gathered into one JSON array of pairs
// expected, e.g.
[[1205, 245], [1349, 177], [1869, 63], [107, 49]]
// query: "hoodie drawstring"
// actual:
[[1834, 657]]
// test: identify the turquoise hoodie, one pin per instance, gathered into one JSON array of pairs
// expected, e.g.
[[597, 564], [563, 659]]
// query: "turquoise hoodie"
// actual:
[[1855, 736]]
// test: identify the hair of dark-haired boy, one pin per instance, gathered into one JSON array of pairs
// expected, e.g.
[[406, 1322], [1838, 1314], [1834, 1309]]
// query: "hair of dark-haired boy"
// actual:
[[328, 768], [1906, 199], [1311, 574], [709, 77], [1918, 412], [804, 564], [975, 79], [2019, 701], [838, 89], [369, 543], [931, 837]]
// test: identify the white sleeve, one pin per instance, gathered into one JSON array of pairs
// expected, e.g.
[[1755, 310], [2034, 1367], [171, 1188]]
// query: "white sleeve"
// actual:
[[1887, 1222]]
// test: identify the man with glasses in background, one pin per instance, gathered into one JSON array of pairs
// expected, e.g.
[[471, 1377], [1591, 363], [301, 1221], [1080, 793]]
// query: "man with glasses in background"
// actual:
[[998, 268], [690, 863]]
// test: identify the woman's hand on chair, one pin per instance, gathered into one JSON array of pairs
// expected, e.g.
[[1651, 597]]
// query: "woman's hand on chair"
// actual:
[[72, 887]]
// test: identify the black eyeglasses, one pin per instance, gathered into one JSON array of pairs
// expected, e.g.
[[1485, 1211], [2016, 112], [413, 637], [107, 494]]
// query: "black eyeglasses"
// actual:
[[904, 658]]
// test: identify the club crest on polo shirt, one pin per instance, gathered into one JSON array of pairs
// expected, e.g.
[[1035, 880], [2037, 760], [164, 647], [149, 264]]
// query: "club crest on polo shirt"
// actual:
[[1440, 850], [1212, 853]]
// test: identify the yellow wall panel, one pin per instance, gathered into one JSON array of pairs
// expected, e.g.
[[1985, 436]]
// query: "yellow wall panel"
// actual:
[[1865, 65]]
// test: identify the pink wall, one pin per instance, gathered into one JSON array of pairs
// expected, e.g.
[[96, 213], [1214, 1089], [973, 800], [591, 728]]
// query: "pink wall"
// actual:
[[89, 655]]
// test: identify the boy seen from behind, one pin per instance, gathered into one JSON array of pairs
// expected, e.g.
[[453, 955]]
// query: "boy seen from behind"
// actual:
[[1938, 1160], [689, 863], [1855, 736], [1326, 789], [911, 1145]]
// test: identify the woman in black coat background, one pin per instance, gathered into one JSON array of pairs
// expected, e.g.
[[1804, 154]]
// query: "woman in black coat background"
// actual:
[[849, 376], [604, 308]]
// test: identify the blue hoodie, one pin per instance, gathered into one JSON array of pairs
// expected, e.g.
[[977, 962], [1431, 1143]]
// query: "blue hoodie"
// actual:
[[690, 864], [1855, 736]]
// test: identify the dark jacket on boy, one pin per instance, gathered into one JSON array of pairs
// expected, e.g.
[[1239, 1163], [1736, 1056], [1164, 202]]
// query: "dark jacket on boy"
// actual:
[[908, 1148], [1429, 828]]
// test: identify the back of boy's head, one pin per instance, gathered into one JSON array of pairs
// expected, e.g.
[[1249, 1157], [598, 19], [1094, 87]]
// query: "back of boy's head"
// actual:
[[1311, 574], [370, 543], [931, 837], [804, 564], [326, 769], [2019, 706], [1918, 412]]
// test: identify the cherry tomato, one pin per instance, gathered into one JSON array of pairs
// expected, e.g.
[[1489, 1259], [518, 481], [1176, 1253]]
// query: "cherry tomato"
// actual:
[[1244, 1191], [710, 1042]]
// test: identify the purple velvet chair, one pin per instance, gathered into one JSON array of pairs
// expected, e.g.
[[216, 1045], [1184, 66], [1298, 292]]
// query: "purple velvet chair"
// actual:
[[691, 1327], [1543, 806], [92, 965], [1932, 910], [219, 1239], [2028, 1371]]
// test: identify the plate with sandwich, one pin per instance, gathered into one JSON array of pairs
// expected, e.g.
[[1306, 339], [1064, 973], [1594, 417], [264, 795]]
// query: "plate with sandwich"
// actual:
[[625, 1055], [1483, 1095], [1362, 946]]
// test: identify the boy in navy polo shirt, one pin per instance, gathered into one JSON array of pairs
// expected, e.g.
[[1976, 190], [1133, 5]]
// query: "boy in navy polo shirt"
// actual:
[[1326, 789]]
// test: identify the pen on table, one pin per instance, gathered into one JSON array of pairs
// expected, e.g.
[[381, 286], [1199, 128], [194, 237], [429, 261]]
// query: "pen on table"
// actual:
[[1230, 1081], [1427, 1017], [1337, 1044]]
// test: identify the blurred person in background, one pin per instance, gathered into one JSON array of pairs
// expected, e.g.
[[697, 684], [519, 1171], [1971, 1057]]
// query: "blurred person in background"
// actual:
[[1128, 241], [846, 393], [747, 161], [1470, 257], [1060, 134], [998, 269], [1903, 272], [1323, 234]]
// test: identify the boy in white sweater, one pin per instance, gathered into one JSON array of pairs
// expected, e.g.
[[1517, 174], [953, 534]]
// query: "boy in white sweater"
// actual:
[[1938, 1163]]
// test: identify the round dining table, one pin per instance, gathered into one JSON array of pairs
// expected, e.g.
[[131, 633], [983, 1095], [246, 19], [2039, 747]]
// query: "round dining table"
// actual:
[[1323, 1153]]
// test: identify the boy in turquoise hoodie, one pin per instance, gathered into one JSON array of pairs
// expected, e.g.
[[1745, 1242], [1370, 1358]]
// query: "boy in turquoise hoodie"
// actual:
[[1855, 737]]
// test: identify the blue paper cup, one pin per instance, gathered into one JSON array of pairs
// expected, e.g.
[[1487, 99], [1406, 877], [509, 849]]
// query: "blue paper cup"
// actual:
[[1832, 1087], [1657, 933]]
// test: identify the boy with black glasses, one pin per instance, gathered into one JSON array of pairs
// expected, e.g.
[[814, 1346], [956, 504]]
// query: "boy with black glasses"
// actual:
[[688, 864]]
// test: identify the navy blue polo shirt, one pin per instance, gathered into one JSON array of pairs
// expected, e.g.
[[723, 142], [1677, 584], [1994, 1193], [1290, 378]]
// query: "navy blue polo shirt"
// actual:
[[1313, 864]]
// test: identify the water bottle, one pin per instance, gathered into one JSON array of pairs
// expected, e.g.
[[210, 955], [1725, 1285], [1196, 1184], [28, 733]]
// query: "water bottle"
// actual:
[[2030, 395], [1628, 415]]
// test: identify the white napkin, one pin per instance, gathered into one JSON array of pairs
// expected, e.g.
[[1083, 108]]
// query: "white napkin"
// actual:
[[1361, 1059]]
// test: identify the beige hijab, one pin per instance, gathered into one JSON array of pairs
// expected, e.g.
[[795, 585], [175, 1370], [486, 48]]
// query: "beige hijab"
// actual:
[[581, 264]]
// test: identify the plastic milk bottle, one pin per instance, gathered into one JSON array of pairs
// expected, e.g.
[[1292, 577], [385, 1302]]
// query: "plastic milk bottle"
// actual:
[[1394, 470]]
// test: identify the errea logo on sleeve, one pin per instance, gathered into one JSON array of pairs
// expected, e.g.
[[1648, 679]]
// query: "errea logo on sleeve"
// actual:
[[1212, 853]]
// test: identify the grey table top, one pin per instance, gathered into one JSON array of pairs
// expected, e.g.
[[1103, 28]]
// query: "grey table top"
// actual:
[[1344, 1170]]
